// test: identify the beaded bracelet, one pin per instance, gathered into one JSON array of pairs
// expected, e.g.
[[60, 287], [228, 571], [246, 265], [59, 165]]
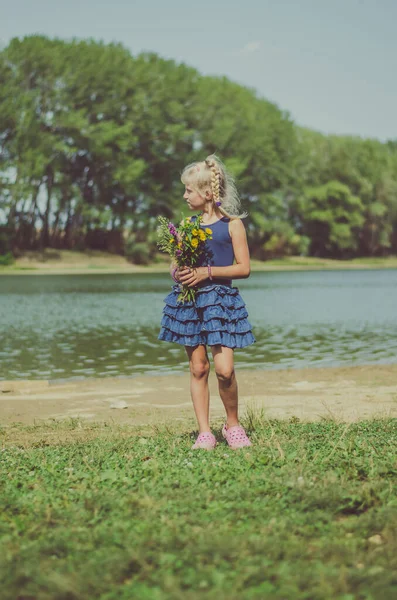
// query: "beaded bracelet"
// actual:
[[209, 272]]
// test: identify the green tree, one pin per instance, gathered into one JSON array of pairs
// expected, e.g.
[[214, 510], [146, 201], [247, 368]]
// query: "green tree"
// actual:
[[331, 216], [93, 140]]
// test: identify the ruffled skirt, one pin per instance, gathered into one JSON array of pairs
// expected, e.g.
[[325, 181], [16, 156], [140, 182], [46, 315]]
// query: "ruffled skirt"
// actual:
[[217, 316]]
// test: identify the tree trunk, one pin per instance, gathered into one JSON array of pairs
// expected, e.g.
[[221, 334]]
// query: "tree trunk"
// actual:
[[45, 233], [62, 203]]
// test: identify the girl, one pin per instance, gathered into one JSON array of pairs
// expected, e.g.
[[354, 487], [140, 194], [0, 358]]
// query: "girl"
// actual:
[[218, 317]]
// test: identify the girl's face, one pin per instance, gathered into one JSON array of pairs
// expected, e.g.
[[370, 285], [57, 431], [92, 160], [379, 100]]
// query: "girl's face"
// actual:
[[194, 200]]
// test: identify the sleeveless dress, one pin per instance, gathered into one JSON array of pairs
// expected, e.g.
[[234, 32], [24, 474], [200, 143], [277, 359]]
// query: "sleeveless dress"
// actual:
[[218, 315]]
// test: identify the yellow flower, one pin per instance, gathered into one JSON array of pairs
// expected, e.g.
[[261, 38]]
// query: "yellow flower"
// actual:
[[208, 231], [195, 231], [172, 240], [195, 243], [188, 219], [202, 235], [179, 244]]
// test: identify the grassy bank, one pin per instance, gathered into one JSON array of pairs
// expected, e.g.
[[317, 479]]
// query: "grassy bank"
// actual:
[[65, 261], [110, 512]]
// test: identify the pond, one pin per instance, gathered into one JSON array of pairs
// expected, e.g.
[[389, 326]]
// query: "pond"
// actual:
[[79, 326]]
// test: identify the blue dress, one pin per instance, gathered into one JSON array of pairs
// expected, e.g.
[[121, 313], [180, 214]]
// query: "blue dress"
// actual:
[[218, 315]]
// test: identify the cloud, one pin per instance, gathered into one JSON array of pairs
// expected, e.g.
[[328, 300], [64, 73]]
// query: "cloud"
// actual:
[[251, 47]]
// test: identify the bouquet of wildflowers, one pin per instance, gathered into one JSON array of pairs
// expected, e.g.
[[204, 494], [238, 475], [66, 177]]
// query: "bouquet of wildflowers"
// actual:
[[186, 245]]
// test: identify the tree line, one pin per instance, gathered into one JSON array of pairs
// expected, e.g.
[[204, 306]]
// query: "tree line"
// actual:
[[93, 141]]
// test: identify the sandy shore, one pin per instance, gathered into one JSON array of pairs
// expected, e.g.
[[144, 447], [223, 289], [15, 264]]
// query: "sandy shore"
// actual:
[[343, 394]]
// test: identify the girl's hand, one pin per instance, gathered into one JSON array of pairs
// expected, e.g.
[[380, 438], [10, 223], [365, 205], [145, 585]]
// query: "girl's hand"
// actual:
[[176, 274], [190, 277]]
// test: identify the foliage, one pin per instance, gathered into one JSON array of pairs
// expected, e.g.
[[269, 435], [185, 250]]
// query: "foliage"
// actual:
[[138, 252], [331, 218], [95, 139], [6, 259]]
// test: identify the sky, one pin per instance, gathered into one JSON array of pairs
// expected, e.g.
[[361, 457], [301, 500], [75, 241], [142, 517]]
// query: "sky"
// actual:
[[331, 64]]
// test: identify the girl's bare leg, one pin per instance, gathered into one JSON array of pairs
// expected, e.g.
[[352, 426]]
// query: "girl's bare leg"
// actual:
[[199, 371], [227, 382]]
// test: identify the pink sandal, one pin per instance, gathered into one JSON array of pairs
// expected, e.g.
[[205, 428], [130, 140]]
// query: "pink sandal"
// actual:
[[205, 440], [235, 436]]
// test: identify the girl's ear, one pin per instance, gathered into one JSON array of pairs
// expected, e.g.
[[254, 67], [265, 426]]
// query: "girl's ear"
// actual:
[[208, 194]]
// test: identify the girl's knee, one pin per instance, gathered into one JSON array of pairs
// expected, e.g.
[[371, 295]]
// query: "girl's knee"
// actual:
[[199, 369], [225, 375]]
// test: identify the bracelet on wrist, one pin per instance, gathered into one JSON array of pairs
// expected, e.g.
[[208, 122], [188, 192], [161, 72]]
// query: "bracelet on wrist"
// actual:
[[209, 272]]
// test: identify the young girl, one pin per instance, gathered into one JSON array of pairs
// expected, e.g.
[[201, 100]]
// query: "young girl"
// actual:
[[217, 317]]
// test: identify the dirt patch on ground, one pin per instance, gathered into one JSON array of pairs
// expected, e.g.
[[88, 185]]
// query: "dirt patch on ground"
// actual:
[[343, 394]]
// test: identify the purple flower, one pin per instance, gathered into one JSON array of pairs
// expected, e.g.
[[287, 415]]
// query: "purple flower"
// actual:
[[178, 252], [172, 229]]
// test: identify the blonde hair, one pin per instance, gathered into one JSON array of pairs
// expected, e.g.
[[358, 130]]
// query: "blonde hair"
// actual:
[[211, 174]]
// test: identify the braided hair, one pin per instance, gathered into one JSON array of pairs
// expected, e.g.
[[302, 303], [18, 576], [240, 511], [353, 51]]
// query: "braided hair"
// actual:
[[211, 173]]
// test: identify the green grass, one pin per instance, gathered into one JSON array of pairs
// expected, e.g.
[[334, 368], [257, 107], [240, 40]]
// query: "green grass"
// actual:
[[108, 262], [327, 263], [294, 261], [376, 260], [16, 268], [115, 513]]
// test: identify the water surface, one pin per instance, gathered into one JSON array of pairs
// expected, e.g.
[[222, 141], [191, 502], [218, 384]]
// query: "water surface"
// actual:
[[78, 326]]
